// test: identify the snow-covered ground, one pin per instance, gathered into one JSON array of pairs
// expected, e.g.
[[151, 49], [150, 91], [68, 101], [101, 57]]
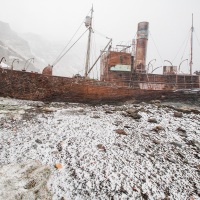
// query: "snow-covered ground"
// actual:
[[156, 156]]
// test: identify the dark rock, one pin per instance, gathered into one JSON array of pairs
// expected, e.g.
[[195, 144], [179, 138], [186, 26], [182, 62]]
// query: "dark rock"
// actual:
[[136, 105], [181, 130], [158, 128], [144, 196], [135, 116], [35, 146], [152, 120], [38, 141], [55, 152], [196, 143], [171, 160], [40, 104], [101, 147], [198, 166], [126, 126], [186, 161], [198, 156], [156, 101], [117, 123], [132, 111], [95, 116], [178, 114], [181, 154], [48, 110], [135, 189], [30, 184], [109, 112], [195, 111], [152, 154], [81, 110], [59, 146], [177, 144], [156, 141], [120, 132]]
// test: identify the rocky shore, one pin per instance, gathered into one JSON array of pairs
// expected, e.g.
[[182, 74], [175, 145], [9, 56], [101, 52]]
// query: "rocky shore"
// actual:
[[130, 151]]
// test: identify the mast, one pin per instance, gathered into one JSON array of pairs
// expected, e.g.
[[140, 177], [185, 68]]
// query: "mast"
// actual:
[[191, 51], [89, 43], [99, 56]]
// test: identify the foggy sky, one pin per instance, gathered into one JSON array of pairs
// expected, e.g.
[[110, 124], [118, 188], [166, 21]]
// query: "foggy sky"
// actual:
[[169, 23]]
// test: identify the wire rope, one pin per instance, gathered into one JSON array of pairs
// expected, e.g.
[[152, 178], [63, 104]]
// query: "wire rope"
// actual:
[[156, 48], [101, 34], [71, 46], [55, 62], [185, 40], [197, 38], [185, 48]]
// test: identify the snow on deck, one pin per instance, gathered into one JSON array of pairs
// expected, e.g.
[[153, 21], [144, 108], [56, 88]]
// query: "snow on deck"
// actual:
[[153, 161]]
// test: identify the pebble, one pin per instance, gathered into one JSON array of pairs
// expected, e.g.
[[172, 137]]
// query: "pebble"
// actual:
[[101, 147], [177, 144], [178, 114], [152, 120], [38, 141], [156, 141], [58, 166], [120, 132], [181, 129]]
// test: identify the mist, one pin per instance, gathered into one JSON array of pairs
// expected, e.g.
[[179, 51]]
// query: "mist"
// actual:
[[169, 25]]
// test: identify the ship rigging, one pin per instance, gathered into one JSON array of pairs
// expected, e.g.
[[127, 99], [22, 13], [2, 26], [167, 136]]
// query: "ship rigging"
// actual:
[[88, 24]]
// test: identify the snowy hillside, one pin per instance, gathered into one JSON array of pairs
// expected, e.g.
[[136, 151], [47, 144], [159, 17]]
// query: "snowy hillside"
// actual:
[[13, 47]]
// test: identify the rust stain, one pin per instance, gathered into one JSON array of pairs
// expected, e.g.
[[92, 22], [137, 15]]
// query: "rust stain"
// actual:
[[32, 86]]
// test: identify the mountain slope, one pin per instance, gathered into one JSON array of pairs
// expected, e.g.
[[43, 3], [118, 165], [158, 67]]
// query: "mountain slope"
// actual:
[[44, 52]]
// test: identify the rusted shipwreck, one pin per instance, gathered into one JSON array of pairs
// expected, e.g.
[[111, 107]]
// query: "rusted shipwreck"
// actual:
[[124, 76]]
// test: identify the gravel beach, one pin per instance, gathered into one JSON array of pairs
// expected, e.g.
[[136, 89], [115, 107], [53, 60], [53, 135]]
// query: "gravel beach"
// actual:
[[130, 151]]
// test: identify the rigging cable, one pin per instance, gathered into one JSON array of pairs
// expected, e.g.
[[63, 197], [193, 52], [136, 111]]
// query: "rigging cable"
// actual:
[[56, 60], [94, 50], [186, 40], [71, 46], [101, 34], [185, 47], [197, 38], [156, 48]]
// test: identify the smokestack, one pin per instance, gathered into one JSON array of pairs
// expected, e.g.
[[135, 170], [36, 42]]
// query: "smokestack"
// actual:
[[141, 47]]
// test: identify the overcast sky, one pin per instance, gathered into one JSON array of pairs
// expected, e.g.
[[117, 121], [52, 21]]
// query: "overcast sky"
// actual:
[[169, 22]]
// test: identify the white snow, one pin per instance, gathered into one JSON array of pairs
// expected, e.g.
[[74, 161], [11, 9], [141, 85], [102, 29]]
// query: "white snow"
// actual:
[[132, 166], [4, 65]]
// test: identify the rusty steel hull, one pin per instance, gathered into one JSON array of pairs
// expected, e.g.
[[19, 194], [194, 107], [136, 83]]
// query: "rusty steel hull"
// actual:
[[32, 86]]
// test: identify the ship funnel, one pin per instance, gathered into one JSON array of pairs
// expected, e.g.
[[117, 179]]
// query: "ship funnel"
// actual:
[[141, 47]]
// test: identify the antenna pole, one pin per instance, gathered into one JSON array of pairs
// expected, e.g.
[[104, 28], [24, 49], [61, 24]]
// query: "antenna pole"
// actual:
[[191, 55], [88, 46]]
